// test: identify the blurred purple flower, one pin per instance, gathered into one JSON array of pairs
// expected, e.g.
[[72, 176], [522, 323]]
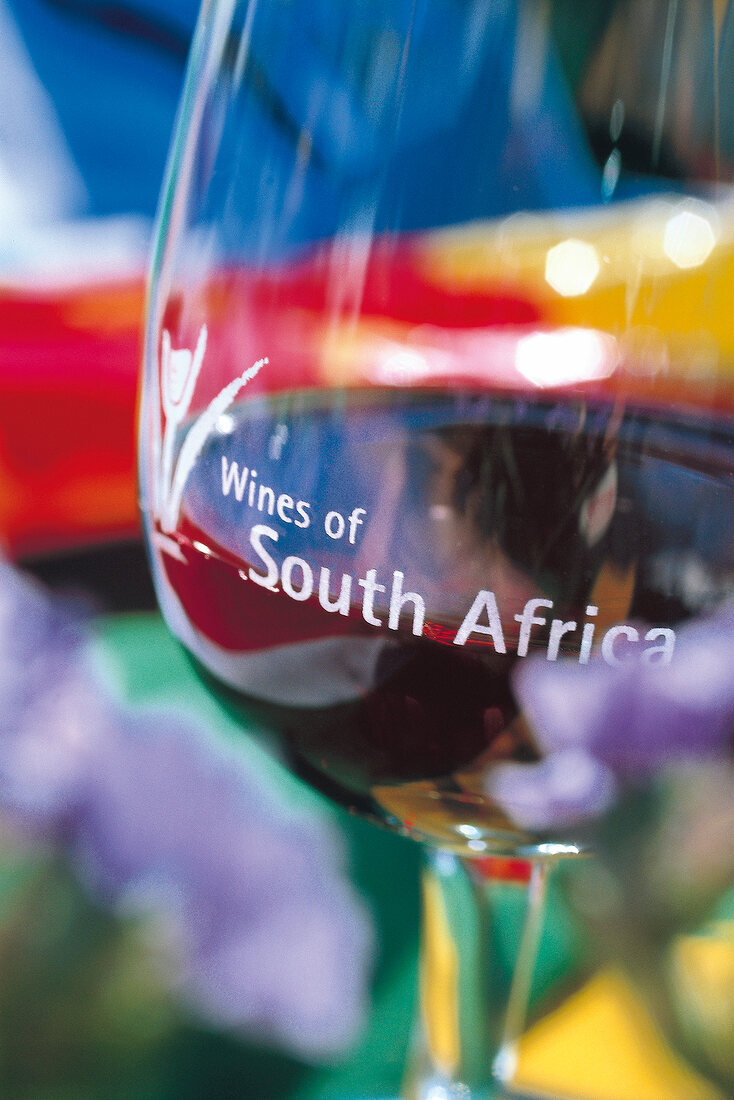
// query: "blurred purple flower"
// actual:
[[158, 816], [49, 714], [599, 726], [553, 791]]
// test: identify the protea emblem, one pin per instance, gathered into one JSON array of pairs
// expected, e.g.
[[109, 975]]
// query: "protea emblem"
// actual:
[[179, 369]]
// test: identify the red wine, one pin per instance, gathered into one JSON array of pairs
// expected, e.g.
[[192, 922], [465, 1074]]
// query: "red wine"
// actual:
[[363, 571]]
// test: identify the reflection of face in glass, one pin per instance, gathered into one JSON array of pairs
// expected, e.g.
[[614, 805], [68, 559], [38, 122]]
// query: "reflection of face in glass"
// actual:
[[518, 509]]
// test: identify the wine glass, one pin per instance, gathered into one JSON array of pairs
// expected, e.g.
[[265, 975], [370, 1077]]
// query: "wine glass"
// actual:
[[437, 388]]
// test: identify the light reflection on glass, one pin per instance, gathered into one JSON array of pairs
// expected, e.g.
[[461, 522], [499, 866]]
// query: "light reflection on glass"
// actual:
[[611, 174], [571, 267], [559, 849], [404, 366], [690, 236], [567, 356], [437, 1092]]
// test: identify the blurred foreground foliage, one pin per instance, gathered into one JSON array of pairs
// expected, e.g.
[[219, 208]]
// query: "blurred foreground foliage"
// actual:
[[87, 1011], [84, 1011]]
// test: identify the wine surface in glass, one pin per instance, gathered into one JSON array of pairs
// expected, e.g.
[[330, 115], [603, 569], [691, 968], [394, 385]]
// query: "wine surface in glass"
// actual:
[[364, 569]]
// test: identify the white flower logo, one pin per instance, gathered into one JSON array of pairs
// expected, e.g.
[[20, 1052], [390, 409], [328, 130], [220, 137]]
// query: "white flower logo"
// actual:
[[179, 369]]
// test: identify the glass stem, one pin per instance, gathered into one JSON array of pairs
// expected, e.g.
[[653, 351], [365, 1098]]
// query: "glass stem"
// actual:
[[505, 1062], [474, 990]]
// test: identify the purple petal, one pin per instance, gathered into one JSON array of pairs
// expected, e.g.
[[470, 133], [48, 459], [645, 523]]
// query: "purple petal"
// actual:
[[637, 716], [566, 788], [269, 932], [264, 926], [49, 710]]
